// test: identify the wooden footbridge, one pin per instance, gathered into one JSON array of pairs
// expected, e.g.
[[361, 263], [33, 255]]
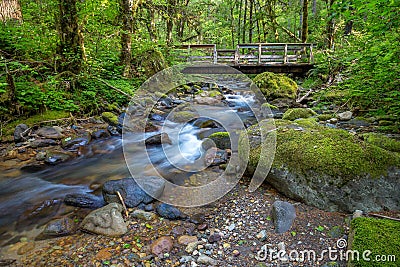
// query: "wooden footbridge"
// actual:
[[296, 58]]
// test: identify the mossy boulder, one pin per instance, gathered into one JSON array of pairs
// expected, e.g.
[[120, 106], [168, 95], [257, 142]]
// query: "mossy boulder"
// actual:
[[328, 168], [325, 117], [382, 141], [309, 122], [276, 85], [110, 118], [152, 61], [182, 116], [297, 113], [379, 236], [221, 139]]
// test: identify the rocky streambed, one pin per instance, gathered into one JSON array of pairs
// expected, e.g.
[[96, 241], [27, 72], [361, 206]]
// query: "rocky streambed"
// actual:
[[58, 182]]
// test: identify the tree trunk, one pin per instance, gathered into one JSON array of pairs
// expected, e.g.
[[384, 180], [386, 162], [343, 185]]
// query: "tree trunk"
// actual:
[[349, 24], [314, 8], [330, 29], [251, 21], [232, 8], [304, 24], [126, 36], [152, 25], [244, 21], [10, 10], [239, 20], [70, 48], [170, 20]]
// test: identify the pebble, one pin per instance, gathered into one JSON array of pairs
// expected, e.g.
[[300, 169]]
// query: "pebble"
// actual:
[[202, 227], [26, 247], [231, 227], [226, 245], [357, 214], [192, 246], [262, 236], [214, 238], [143, 215], [281, 246], [204, 259], [162, 245], [103, 254], [185, 259], [236, 253], [186, 239]]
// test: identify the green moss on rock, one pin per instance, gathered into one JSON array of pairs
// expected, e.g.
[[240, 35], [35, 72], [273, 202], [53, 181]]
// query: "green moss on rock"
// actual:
[[49, 115], [325, 151], [152, 61], [221, 139], [379, 236], [382, 141], [325, 117], [268, 105], [276, 85], [182, 116], [214, 93], [297, 113], [309, 122], [331, 151], [110, 118]]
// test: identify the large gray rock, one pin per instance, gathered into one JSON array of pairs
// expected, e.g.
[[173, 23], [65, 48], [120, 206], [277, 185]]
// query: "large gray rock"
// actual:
[[106, 221], [327, 168], [283, 214], [59, 227], [158, 139], [345, 116], [131, 192], [169, 212], [19, 132], [84, 201], [50, 132]]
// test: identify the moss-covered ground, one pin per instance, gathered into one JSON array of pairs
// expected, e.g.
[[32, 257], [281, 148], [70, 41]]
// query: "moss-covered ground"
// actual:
[[379, 236]]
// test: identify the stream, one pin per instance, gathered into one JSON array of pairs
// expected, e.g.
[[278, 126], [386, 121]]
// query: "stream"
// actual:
[[29, 201]]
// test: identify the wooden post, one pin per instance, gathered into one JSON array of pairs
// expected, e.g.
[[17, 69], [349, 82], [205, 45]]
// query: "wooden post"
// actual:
[[285, 55], [311, 54], [215, 55], [237, 55], [259, 54]]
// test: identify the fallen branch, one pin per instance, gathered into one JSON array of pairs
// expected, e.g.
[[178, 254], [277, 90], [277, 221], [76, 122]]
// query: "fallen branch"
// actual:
[[341, 107], [114, 88], [123, 203], [304, 96], [384, 217]]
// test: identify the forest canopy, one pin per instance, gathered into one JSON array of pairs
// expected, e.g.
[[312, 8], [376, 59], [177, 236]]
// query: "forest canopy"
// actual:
[[65, 54]]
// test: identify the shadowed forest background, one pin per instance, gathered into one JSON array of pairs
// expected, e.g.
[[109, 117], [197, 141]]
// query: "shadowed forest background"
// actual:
[[69, 55]]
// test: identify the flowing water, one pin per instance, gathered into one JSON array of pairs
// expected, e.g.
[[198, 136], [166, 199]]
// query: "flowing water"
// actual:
[[31, 200]]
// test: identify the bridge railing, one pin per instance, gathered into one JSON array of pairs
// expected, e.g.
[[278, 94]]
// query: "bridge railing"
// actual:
[[274, 53], [250, 54]]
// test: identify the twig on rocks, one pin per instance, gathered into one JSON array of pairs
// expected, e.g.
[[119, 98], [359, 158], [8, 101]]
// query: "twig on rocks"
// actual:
[[384, 217], [123, 203], [299, 100]]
